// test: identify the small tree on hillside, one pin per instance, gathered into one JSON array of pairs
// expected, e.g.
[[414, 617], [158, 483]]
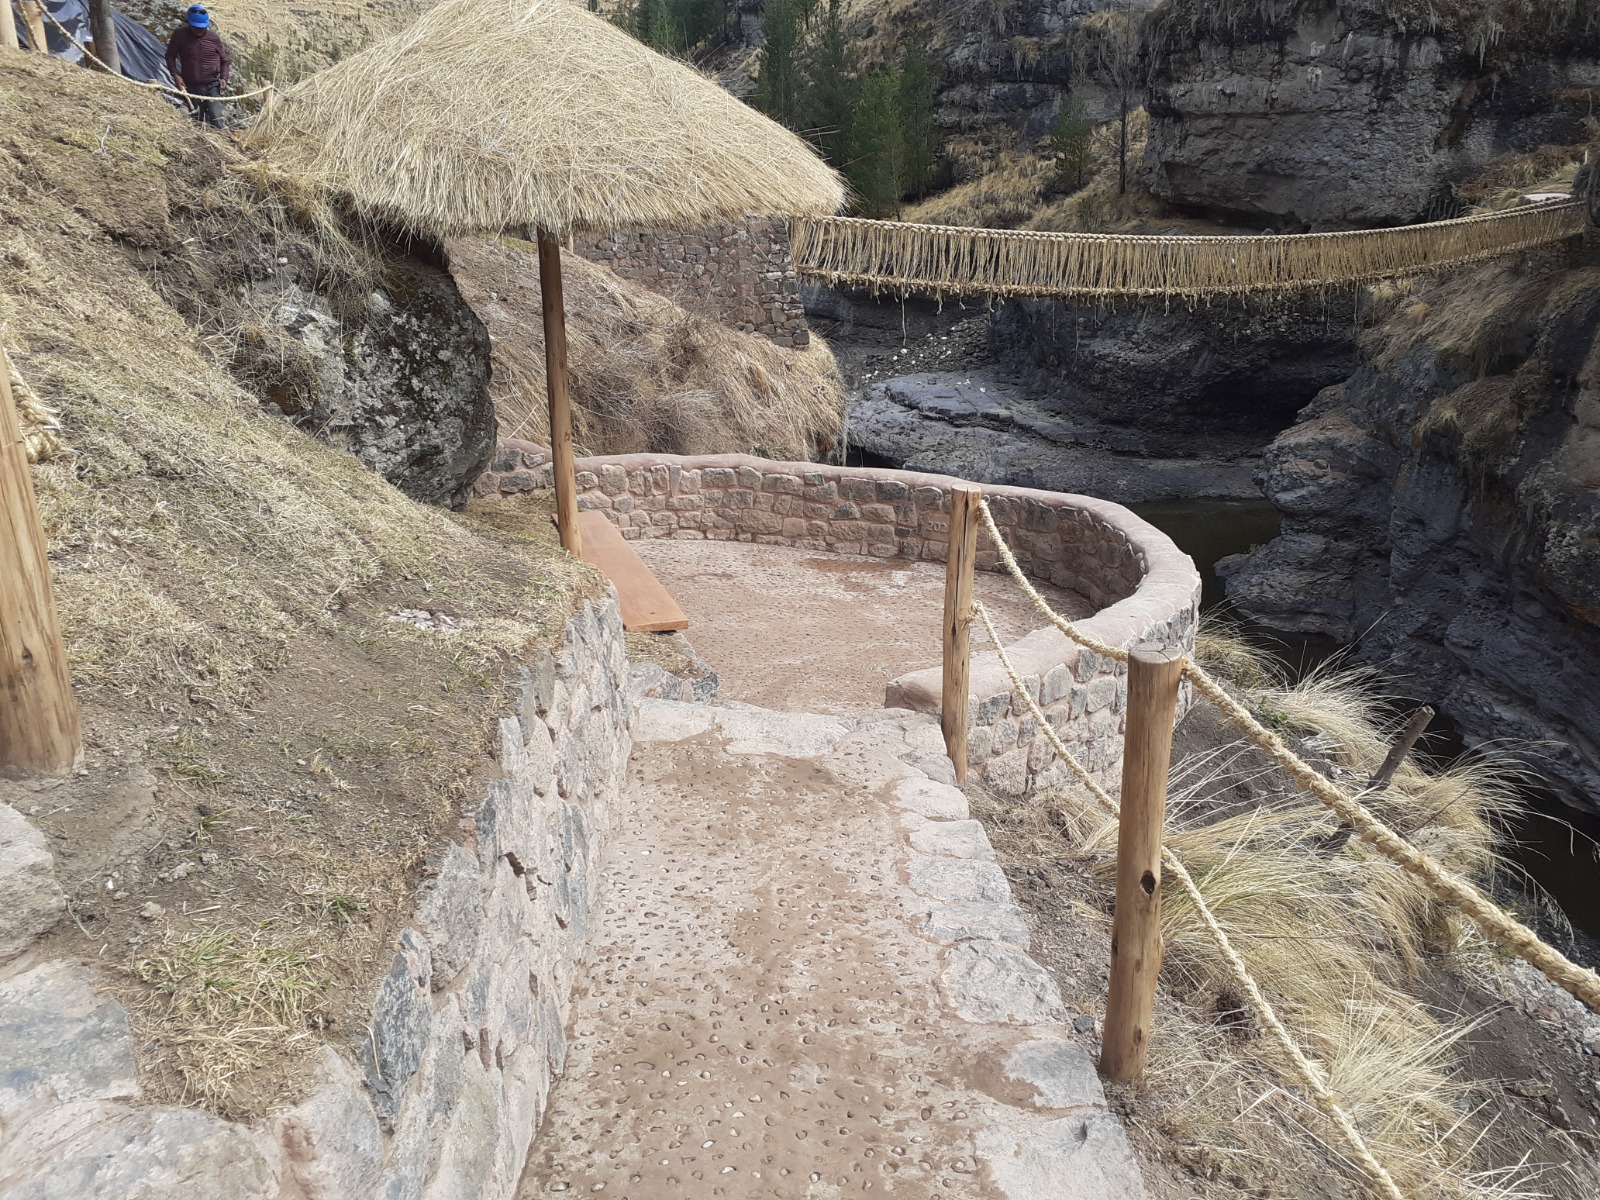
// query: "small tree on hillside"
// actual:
[[875, 158], [1071, 137], [778, 94], [919, 140], [1110, 46], [832, 87]]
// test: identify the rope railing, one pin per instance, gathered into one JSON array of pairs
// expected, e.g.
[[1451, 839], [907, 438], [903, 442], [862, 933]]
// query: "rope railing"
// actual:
[[38, 423], [1499, 926], [943, 260], [152, 85], [1308, 1073]]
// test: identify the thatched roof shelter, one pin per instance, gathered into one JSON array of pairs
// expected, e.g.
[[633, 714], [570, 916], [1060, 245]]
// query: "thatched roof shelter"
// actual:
[[488, 114]]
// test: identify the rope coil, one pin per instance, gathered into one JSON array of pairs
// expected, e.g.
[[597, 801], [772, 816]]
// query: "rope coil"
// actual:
[[39, 423], [1499, 926]]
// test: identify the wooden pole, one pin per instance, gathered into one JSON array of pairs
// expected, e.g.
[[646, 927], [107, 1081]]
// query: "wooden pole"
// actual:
[[33, 18], [958, 567], [555, 373], [1136, 950], [103, 29], [38, 714], [8, 27]]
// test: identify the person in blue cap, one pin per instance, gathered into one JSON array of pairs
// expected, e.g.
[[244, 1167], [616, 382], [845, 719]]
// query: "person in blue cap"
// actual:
[[199, 63]]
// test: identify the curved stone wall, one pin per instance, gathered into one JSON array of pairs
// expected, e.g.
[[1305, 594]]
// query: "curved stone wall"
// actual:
[[1143, 587]]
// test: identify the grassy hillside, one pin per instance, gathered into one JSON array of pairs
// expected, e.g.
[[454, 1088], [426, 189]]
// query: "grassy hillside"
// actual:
[[229, 588]]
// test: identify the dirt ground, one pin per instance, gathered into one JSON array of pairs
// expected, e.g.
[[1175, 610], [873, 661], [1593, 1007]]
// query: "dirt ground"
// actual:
[[844, 627]]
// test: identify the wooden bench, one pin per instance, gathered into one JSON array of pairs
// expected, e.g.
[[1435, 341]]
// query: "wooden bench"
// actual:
[[647, 607]]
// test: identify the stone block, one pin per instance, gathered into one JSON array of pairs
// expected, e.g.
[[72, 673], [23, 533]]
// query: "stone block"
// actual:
[[749, 477], [613, 480], [1008, 773], [892, 490], [977, 921], [398, 1036], [1074, 1158], [451, 914], [332, 1147], [1056, 684], [1060, 1072], [958, 879], [853, 487], [996, 983], [786, 484], [62, 1039], [954, 839], [936, 801], [31, 900], [718, 477], [1101, 693]]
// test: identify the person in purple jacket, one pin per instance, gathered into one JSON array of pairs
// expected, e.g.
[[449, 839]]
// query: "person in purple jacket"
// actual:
[[199, 63]]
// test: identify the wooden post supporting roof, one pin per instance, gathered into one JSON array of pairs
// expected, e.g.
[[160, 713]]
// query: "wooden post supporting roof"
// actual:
[[8, 28], [38, 714], [1153, 678], [103, 31], [555, 373], [959, 563]]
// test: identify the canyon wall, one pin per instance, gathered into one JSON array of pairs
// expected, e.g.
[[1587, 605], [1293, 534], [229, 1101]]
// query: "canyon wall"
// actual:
[[1442, 507]]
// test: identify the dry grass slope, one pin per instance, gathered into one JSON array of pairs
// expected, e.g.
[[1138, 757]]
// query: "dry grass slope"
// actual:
[[1341, 940], [646, 374], [226, 584]]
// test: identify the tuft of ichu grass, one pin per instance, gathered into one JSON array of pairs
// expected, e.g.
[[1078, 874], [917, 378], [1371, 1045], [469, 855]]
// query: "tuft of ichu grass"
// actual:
[[578, 126]]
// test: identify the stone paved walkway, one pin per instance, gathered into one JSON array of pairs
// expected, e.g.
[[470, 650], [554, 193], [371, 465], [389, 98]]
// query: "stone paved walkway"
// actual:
[[774, 621], [809, 980]]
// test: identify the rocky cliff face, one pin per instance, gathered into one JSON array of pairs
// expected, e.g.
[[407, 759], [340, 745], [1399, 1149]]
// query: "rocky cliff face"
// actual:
[[1334, 113], [999, 65], [1443, 507]]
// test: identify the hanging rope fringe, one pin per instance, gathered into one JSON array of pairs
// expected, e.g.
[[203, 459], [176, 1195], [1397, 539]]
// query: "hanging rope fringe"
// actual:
[[41, 426], [1308, 1074], [948, 261], [1499, 926]]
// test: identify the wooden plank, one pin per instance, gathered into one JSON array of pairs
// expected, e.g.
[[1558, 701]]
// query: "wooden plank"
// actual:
[[38, 714], [959, 563], [1136, 950], [647, 607]]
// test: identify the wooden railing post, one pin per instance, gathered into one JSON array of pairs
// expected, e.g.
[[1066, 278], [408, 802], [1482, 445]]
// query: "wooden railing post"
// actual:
[[1136, 950], [33, 18], [555, 372], [38, 715], [959, 565], [8, 29]]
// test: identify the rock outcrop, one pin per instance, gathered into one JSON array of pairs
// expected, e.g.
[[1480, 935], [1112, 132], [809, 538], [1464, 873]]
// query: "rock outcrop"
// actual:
[[398, 376], [1339, 115], [1443, 507]]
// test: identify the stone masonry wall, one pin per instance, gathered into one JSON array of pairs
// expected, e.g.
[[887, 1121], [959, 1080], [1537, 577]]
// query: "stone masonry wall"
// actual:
[[1143, 587], [442, 1098], [739, 274]]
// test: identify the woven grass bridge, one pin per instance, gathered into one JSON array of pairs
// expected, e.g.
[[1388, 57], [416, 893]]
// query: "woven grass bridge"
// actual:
[[944, 260]]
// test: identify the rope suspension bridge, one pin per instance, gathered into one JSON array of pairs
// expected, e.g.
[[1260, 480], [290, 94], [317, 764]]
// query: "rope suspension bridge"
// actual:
[[946, 261]]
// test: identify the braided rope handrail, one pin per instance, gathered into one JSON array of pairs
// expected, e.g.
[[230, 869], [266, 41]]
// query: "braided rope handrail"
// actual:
[[1499, 926], [1309, 1074], [951, 261], [152, 85]]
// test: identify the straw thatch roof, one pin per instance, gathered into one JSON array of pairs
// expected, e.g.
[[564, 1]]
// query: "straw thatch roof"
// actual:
[[494, 113]]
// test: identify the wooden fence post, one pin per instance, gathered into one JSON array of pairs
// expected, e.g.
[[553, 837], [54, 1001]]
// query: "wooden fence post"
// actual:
[[1136, 950], [958, 568], [8, 29], [38, 714], [33, 19], [555, 373]]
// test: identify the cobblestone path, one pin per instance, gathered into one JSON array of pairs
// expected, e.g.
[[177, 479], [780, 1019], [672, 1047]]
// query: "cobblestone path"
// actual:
[[809, 980]]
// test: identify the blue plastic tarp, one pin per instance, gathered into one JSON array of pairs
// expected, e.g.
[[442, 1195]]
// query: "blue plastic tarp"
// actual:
[[143, 55]]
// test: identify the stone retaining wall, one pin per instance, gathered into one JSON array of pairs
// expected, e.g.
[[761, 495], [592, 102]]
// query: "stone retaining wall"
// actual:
[[442, 1097], [740, 274], [1143, 587]]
